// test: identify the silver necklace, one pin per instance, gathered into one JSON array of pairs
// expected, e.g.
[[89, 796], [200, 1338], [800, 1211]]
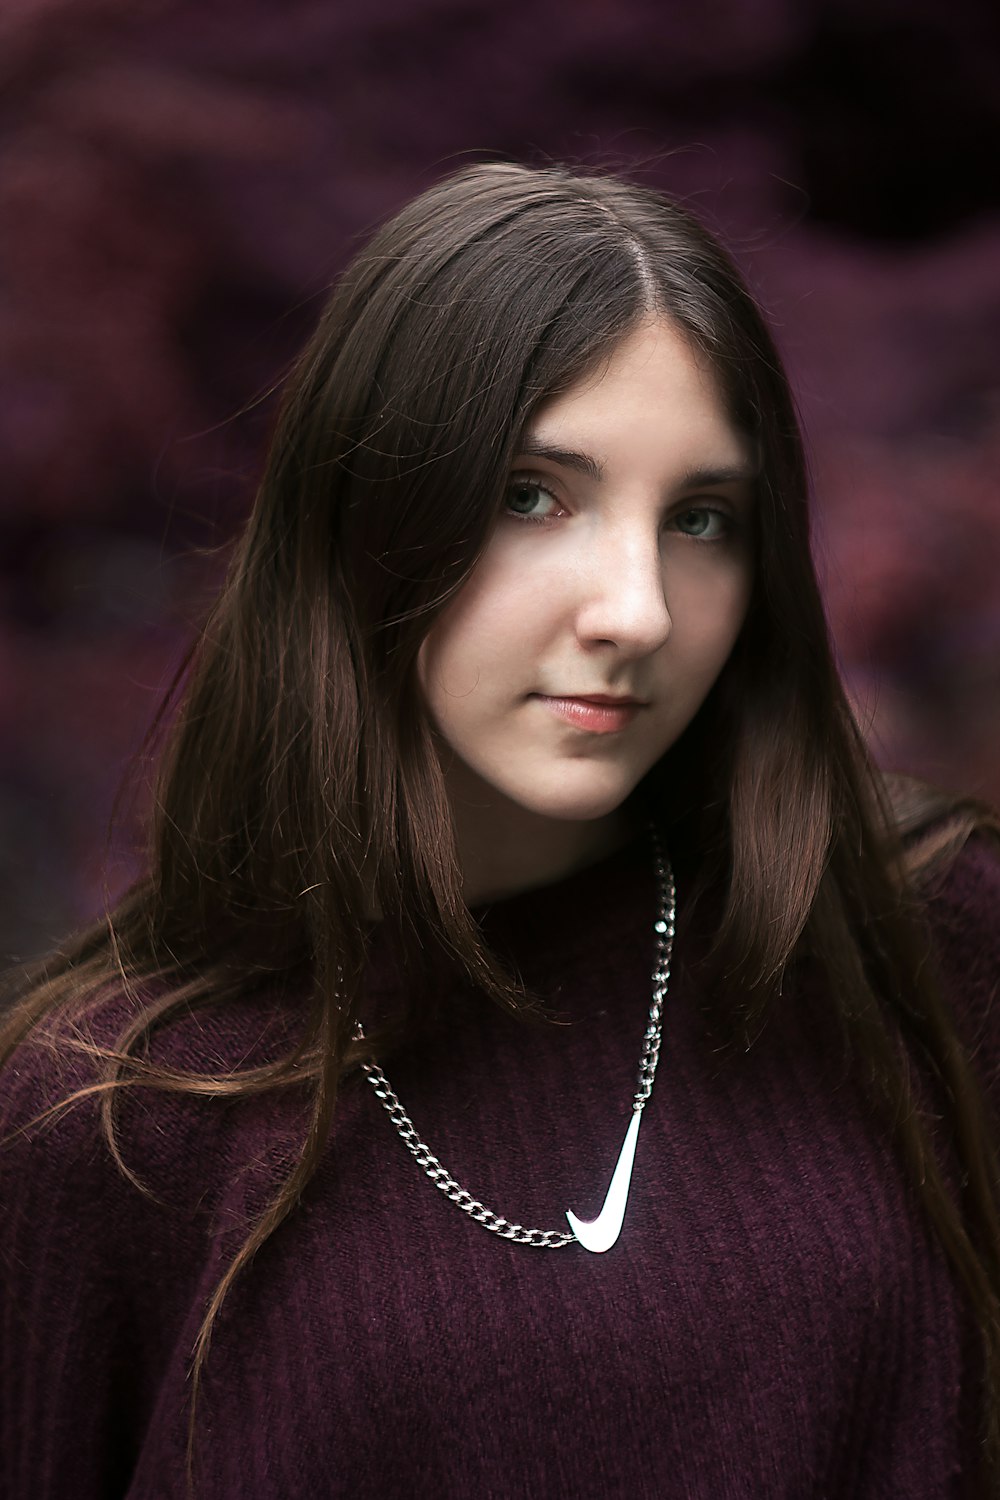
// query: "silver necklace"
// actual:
[[597, 1234]]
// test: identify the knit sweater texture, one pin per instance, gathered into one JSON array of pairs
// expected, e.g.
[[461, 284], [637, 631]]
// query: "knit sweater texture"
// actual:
[[775, 1320]]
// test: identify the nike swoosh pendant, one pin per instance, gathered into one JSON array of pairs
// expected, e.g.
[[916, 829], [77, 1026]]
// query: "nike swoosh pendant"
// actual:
[[600, 1234]]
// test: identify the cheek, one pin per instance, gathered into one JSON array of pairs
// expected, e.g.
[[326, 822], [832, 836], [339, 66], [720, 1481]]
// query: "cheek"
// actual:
[[455, 659], [708, 613], [480, 638], [737, 605]]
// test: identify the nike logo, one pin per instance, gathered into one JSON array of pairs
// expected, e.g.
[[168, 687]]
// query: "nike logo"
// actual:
[[600, 1234]]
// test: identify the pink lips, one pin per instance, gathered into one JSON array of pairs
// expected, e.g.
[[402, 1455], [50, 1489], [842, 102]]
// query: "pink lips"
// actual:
[[599, 713]]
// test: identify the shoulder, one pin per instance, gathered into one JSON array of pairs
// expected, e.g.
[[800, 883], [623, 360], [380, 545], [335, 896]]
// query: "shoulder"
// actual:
[[176, 1144], [104, 1261], [961, 900]]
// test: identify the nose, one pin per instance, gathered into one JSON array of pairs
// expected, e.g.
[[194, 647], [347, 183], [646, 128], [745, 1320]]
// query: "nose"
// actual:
[[623, 595]]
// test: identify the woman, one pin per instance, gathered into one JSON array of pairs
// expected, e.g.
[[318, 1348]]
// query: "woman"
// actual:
[[520, 656]]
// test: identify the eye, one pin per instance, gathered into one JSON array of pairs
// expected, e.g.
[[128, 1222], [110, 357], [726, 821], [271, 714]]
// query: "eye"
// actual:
[[704, 522], [529, 499]]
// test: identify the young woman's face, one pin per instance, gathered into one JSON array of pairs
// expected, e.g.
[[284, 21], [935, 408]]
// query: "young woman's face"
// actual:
[[609, 596]]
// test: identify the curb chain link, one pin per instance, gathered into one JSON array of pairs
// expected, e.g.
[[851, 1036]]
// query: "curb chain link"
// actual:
[[546, 1239]]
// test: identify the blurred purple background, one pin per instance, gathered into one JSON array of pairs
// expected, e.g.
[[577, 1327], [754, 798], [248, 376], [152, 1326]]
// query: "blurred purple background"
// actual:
[[180, 182]]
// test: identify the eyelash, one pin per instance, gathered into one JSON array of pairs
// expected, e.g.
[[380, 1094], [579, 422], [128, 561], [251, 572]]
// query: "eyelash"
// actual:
[[532, 481]]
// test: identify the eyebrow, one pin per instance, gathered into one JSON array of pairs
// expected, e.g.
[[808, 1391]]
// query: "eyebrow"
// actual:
[[693, 479], [533, 447], [584, 463]]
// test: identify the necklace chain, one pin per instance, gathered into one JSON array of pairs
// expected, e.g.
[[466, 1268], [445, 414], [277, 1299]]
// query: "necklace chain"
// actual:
[[548, 1239]]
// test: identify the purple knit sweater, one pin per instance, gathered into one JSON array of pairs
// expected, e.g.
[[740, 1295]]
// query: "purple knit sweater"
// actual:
[[774, 1320]]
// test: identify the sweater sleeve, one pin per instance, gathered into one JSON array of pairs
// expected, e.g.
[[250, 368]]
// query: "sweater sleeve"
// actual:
[[103, 1283], [68, 1413]]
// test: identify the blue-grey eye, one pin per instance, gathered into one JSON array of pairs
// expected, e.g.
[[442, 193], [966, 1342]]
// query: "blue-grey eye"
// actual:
[[526, 497], [703, 522]]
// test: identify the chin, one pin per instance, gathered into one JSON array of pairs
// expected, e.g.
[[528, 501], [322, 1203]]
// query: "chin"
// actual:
[[564, 806]]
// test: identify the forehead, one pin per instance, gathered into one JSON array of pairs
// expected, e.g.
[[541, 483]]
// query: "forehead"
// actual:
[[652, 390]]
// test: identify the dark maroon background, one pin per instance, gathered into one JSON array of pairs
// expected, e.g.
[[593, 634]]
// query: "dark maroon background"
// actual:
[[179, 182]]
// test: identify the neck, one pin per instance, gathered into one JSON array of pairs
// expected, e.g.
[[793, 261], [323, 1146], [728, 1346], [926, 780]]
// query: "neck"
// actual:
[[505, 849]]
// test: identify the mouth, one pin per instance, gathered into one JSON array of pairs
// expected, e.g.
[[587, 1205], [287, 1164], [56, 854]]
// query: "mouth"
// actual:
[[612, 700], [595, 713]]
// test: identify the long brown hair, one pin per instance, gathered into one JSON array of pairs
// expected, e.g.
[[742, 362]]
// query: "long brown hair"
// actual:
[[300, 788]]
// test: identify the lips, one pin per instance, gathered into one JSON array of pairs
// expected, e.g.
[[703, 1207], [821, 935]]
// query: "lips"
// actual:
[[613, 699], [596, 713]]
